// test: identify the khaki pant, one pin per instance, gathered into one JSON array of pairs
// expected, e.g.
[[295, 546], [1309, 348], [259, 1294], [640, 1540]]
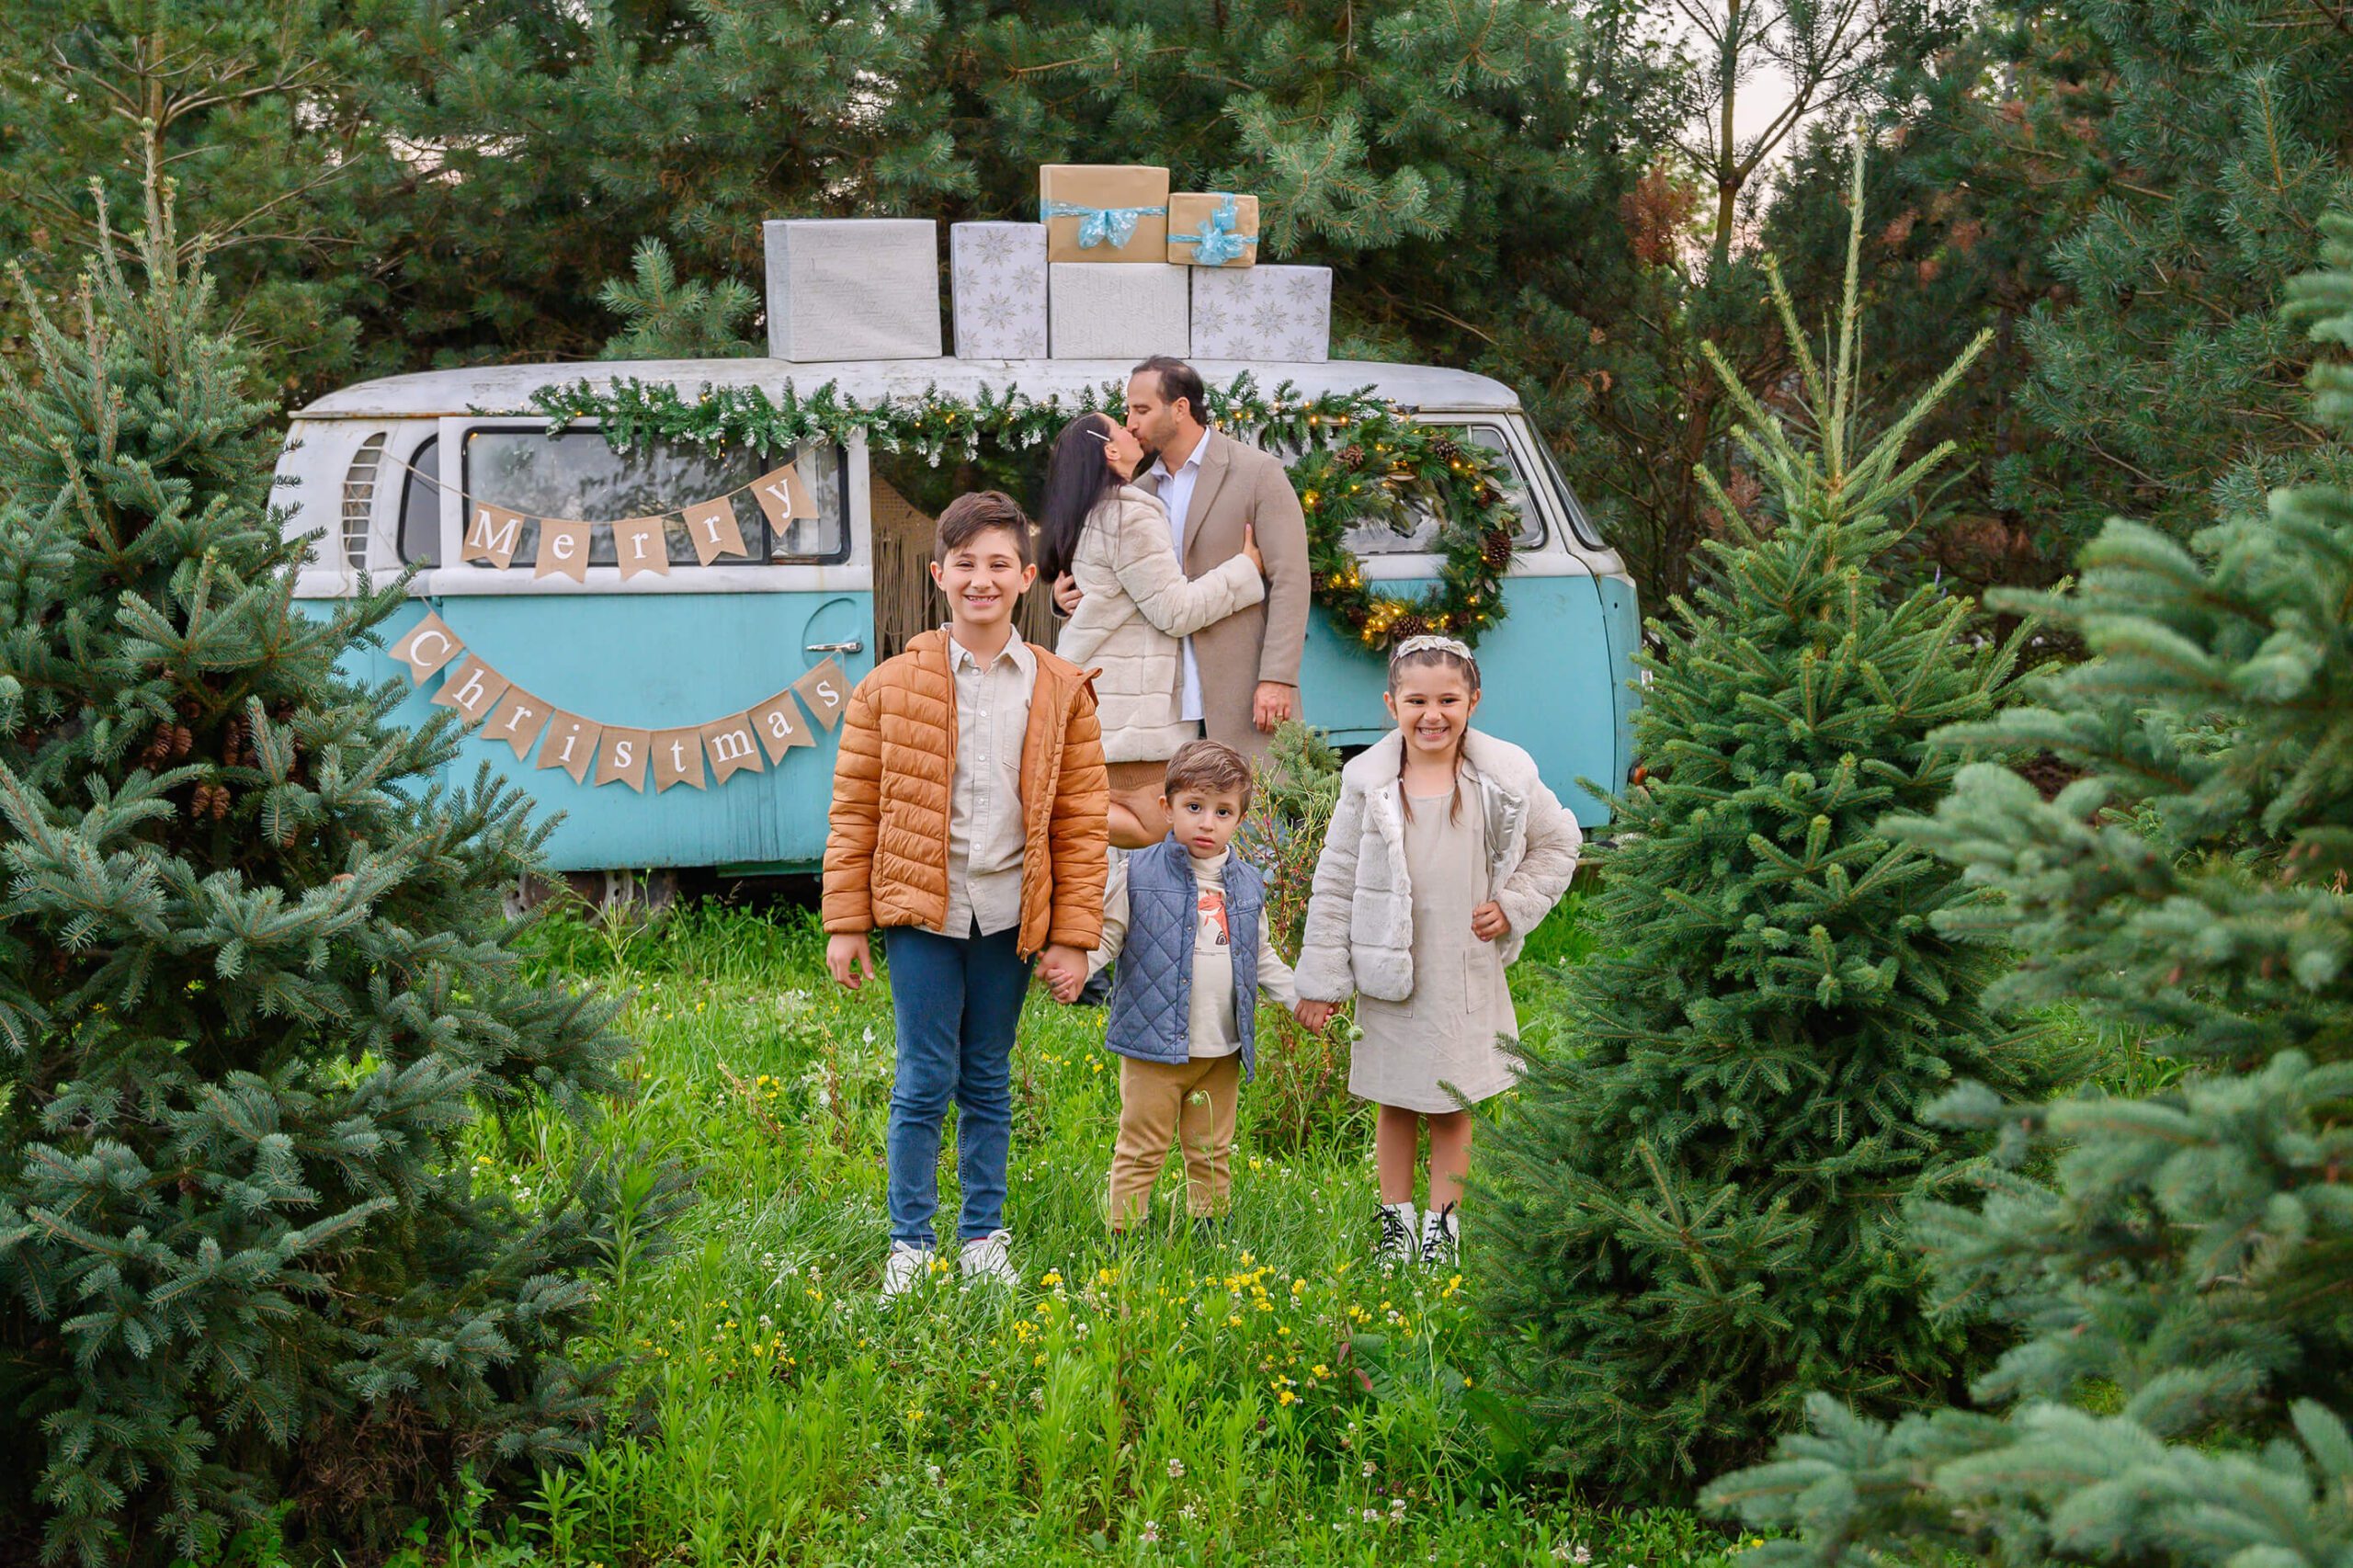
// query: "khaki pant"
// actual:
[[1163, 1103]]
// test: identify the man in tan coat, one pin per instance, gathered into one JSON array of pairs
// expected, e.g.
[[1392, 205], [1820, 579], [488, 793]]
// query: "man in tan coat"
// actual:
[[1240, 675]]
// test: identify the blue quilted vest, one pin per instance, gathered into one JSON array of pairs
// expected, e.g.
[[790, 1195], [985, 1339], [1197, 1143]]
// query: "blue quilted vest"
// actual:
[[1152, 992]]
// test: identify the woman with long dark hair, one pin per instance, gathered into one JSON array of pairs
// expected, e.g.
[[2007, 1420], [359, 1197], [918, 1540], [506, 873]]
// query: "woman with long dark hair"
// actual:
[[1113, 538]]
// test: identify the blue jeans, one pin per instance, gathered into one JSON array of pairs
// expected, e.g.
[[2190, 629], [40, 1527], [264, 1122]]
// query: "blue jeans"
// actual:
[[957, 1000]]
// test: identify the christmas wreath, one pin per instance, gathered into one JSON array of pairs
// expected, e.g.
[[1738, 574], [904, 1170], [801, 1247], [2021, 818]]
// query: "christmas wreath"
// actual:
[[1358, 460]]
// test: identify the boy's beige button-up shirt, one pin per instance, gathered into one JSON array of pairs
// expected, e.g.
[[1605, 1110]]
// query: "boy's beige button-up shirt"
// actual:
[[984, 821]]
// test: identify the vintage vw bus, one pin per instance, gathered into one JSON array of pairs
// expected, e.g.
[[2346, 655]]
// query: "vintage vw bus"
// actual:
[[383, 472]]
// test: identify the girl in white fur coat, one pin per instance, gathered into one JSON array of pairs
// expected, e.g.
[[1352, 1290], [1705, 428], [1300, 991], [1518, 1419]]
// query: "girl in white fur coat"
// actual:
[[1446, 849]]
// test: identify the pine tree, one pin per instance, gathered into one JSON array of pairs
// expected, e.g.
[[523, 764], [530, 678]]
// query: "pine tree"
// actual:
[[1693, 1199], [670, 320], [254, 987], [2167, 161], [2179, 1389]]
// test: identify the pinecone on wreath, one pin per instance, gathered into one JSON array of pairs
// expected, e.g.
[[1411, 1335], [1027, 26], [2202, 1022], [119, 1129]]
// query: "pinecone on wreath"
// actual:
[[1352, 456], [1407, 625], [1445, 446], [1496, 549]]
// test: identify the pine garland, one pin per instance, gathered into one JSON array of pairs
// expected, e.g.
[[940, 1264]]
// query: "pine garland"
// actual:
[[1362, 458]]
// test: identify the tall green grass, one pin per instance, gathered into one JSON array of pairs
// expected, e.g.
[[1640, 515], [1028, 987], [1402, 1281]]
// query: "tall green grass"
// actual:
[[1261, 1397]]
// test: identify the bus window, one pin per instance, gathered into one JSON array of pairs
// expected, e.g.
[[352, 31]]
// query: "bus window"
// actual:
[[1414, 529], [1581, 523], [421, 507], [575, 475]]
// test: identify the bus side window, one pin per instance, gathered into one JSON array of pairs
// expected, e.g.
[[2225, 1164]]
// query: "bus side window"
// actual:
[[421, 507]]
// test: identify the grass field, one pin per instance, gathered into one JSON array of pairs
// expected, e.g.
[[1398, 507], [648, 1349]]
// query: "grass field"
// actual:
[[1261, 1398]]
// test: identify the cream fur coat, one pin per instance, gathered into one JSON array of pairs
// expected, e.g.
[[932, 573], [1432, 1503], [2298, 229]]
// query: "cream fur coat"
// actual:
[[1138, 604], [1361, 916]]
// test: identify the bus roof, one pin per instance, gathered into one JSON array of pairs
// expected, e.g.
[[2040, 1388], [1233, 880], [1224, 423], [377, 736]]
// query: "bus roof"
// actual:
[[507, 389]]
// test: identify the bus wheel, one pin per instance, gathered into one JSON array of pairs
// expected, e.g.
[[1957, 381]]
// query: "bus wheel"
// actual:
[[603, 893], [626, 892]]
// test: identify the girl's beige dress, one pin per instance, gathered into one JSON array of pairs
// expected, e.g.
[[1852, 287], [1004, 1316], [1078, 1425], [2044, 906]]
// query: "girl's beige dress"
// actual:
[[1445, 1032]]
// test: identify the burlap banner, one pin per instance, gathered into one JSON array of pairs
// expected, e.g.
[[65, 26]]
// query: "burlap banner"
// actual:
[[697, 755], [640, 545]]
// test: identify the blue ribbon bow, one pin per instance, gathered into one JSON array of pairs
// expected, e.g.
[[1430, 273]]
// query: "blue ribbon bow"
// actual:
[[1216, 243], [1114, 226]]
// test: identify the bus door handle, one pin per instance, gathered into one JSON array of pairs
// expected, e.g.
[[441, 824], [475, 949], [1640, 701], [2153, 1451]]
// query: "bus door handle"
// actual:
[[855, 645]]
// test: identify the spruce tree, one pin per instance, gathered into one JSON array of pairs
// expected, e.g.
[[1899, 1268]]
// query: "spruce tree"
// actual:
[[1693, 1200], [2174, 1265], [254, 987]]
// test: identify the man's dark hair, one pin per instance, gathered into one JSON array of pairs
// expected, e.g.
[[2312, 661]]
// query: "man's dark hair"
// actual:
[[1179, 379], [976, 512]]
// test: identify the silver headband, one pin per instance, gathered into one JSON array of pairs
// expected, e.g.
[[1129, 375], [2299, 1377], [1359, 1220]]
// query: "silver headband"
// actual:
[[1429, 643]]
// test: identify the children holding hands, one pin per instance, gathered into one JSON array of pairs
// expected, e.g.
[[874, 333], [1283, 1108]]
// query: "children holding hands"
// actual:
[[969, 824]]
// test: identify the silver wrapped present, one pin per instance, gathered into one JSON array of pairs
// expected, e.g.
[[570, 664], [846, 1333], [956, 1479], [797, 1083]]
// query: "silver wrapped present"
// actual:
[[1118, 310], [853, 288], [1281, 313], [996, 275]]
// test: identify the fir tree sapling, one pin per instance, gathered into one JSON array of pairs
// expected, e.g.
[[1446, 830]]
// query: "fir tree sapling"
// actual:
[[1695, 1193], [2178, 1283], [254, 986]]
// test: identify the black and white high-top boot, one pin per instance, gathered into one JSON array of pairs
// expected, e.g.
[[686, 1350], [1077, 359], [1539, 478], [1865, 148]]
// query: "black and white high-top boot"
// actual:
[[1397, 1245], [1441, 1239]]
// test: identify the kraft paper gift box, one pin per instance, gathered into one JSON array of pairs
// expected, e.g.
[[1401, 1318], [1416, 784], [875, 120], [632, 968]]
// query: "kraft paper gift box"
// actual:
[[1104, 212], [1118, 310], [997, 286], [1262, 312], [1212, 228], [853, 288]]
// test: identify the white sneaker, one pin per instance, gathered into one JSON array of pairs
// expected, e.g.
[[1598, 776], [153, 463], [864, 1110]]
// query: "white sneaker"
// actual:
[[986, 1257], [903, 1270], [1396, 1246], [1441, 1239]]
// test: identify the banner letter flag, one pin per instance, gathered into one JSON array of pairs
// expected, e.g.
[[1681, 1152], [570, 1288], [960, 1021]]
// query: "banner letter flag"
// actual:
[[492, 537], [780, 726], [622, 760], [518, 720], [677, 758], [430, 645], [783, 497], [825, 690], [570, 744], [733, 749], [563, 550], [472, 689], [640, 547], [714, 530]]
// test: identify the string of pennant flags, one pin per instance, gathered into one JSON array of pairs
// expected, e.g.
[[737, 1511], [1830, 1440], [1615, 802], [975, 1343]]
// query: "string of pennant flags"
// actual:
[[497, 710], [494, 533]]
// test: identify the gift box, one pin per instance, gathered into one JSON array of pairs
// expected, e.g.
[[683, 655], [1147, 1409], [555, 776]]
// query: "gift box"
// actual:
[[1262, 312], [997, 284], [1212, 228], [853, 288], [1105, 212], [1114, 310]]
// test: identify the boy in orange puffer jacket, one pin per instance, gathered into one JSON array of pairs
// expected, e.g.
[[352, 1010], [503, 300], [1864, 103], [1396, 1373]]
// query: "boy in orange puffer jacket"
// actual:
[[970, 823]]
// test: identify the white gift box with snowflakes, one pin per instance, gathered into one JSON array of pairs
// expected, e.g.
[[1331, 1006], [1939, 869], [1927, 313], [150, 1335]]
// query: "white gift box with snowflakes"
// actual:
[[998, 280], [1281, 313]]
